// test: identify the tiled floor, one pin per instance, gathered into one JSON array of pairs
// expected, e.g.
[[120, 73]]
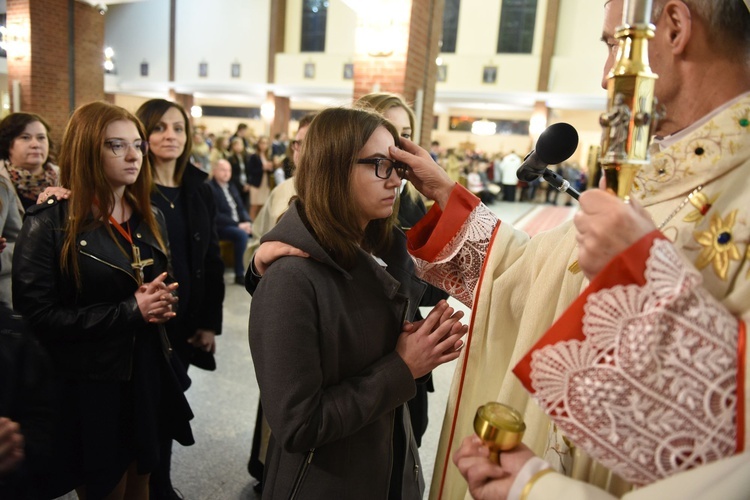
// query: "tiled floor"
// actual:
[[224, 403]]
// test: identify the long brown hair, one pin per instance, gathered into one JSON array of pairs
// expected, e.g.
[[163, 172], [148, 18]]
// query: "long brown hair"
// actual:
[[150, 114], [82, 171], [323, 183]]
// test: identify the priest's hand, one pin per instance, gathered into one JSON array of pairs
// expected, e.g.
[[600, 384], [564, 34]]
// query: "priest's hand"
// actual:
[[486, 479], [606, 227], [428, 177]]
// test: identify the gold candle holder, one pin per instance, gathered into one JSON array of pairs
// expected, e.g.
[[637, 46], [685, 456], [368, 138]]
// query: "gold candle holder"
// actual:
[[500, 427]]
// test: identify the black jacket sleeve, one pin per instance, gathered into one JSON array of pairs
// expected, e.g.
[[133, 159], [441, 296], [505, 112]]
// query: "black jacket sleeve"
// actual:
[[210, 308]]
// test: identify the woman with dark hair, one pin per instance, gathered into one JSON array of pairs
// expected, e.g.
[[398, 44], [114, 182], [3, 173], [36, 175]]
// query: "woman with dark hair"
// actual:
[[89, 275], [181, 193], [334, 376], [24, 150]]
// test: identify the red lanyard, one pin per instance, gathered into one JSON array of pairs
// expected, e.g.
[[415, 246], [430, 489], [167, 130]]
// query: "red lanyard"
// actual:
[[120, 230]]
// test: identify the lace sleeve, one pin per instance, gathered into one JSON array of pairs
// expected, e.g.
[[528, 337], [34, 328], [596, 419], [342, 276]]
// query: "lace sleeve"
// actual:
[[457, 267], [651, 389]]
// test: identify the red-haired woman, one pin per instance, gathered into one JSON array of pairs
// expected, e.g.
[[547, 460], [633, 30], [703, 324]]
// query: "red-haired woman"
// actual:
[[89, 274]]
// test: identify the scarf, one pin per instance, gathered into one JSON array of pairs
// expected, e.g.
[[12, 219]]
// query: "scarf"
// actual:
[[30, 185]]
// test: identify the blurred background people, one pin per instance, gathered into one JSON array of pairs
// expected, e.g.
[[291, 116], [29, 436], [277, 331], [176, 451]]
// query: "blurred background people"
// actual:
[[259, 176], [200, 152], [232, 220], [508, 167], [219, 150], [239, 159]]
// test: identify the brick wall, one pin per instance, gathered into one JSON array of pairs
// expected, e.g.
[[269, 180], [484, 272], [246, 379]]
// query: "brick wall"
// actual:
[[89, 54], [43, 67], [415, 69], [424, 48]]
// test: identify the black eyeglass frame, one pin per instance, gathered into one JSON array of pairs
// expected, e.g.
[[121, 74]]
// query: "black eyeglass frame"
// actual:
[[397, 165]]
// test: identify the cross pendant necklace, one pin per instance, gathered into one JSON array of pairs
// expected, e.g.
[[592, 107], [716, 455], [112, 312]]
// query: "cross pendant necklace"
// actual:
[[138, 264]]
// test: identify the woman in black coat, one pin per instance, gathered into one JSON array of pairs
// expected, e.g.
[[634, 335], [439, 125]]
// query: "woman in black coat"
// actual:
[[89, 275], [181, 193]]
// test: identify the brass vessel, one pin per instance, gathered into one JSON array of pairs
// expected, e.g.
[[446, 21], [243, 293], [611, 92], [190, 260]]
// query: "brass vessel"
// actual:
[[500, 427]]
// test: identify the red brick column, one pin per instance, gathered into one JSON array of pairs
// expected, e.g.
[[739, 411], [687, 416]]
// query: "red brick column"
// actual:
[[39, 58], [282, 114], [411, 66]]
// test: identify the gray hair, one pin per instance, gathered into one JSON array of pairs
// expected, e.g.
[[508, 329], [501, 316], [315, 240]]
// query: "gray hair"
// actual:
[[728, 21]]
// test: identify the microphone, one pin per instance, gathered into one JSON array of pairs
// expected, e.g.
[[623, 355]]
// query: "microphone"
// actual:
[[555, 145]]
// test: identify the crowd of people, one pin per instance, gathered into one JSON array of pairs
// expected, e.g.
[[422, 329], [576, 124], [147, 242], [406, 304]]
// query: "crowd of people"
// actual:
[[492, 177], [625, 351]]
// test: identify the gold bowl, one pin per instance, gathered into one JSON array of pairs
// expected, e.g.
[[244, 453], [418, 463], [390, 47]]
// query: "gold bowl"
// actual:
[[500, 427]]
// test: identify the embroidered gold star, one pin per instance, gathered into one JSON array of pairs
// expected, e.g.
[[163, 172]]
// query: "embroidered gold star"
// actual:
[[702, 204], [718, 247]]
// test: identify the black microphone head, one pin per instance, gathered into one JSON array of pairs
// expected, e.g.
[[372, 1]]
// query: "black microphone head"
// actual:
[[557, 143]]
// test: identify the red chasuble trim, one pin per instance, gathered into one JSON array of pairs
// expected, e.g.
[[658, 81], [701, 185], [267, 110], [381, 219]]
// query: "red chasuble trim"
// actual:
[[628, 267], [437, 228], [467, 351], [741, 352]]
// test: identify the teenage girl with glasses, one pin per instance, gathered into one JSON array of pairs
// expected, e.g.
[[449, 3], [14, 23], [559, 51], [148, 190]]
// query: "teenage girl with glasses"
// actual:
[[336, 363], [90, 275]]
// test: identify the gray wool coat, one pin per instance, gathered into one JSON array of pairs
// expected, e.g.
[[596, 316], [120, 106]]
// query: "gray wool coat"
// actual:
[[332, 387]]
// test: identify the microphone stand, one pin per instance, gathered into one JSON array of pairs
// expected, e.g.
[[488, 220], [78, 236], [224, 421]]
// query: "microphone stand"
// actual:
[[559, 183]]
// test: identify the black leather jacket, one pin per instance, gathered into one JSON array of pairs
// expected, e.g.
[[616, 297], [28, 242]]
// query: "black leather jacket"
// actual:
[[89, 333]]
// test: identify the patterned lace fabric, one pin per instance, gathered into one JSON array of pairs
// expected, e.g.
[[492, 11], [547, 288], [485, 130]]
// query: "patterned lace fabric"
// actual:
[[651, 391], [458, 266]]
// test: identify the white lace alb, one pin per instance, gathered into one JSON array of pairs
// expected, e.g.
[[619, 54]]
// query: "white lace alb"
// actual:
[[458, 266], [651, 390]]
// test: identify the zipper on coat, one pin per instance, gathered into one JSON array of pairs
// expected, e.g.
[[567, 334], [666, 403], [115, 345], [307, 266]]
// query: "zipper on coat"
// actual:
[[301, 475], [113, 266]]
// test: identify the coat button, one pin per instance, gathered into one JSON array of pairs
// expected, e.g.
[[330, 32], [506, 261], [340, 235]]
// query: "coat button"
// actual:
[[50, 201], [198, 273], [138, 235], [84, 243], [197, 236]]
